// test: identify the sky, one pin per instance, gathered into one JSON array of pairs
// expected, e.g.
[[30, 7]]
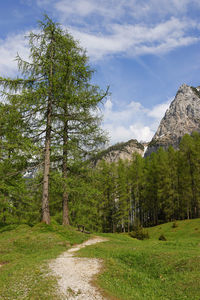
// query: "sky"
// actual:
[[143, 49]]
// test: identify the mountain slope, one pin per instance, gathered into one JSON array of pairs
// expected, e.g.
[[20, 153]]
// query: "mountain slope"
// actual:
[[120, 151], [183, 116]]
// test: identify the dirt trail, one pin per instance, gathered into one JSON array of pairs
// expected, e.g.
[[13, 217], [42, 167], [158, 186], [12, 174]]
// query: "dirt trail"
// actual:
[[76, 273]]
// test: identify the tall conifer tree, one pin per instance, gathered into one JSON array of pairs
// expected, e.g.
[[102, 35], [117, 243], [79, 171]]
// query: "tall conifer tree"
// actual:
[[57, 102]]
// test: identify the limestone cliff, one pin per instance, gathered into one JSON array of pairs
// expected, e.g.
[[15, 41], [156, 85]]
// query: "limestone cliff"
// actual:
[[183, 116], [120, 151]]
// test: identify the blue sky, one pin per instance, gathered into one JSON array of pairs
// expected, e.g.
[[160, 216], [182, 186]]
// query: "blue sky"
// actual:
[[143, 49]]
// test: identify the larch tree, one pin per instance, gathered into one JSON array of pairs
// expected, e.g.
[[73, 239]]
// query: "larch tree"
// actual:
[[137, 185], [189, 169], [77, 120], [58, 102], [37, 93], [13, 163]]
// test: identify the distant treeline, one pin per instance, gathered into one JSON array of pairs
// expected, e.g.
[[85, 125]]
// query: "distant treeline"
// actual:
[[148, 191], [112, 197]]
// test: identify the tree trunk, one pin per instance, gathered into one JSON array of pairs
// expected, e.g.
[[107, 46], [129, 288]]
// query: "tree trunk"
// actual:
[[65, 209], [64, 170], [45, 193]]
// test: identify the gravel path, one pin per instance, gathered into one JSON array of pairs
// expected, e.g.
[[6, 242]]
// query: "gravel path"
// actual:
[[75, 274]]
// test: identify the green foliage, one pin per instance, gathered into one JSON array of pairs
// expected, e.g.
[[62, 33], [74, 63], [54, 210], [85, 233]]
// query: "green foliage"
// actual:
[[139, 233], [51, 107], [175, 224], [162, 238], [158, 189]]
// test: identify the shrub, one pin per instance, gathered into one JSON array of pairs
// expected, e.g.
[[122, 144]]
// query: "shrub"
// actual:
[[162, 238], [139, 233], [174, 225]]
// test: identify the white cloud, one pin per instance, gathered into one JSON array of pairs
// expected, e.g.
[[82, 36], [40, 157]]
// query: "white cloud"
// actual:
[[141, 132], [84, 8], [134, 40], [158, 9], [124, 115], [159, 110], [132, 122], [113, 10], [81, 7], [128, 27], [108, 105], [9, 48], [102, 30], [118, 133]]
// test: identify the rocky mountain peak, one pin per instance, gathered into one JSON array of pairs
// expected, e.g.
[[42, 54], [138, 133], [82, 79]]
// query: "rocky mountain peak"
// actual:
[[183, 116]]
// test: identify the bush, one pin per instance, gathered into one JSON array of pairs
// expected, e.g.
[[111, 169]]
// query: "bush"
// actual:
[[139, 233], [162, 238], [174, 225]]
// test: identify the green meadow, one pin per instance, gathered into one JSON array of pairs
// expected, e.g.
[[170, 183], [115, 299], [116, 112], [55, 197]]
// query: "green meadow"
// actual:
[[24, 255], [151, 269], [132, 269]]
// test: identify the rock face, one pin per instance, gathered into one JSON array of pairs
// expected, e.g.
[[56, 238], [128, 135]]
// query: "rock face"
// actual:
[[120, 151], [183, 116]]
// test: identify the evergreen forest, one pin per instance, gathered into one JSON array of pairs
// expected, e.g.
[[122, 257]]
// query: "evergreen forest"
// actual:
[[50, 127]]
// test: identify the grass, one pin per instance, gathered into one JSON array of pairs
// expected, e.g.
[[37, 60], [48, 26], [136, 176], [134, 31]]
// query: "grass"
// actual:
[[133, 269], [151, 269], [24, 255]]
